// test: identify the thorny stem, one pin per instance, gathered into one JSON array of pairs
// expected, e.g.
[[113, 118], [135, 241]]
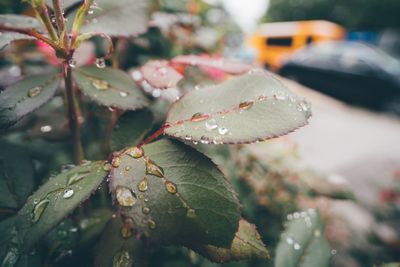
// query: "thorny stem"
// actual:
[[43, 13], [60, 20], [155, 135], [73, 114]]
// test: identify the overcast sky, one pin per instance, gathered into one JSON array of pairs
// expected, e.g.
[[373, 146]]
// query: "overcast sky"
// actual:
[[245, 12]]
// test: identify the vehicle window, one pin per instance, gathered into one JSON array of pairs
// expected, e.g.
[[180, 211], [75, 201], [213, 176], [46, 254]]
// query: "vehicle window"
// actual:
[[280, 41]]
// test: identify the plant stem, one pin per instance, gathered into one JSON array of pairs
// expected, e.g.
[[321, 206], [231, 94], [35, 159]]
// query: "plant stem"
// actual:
[[60, 20], [43, 14], [155, 135], [73, 114]]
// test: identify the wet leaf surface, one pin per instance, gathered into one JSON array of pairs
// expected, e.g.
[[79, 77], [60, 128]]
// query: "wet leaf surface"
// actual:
[[130, 128], [303, 242], [25, 96], [118, 18], [249, 108], [110, 87], [16, 175], [247, 244], [56, 199], [225, 65], [175, 195], [160, 74]]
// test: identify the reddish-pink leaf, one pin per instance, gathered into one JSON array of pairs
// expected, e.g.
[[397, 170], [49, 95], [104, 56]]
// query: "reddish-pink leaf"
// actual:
[[160, 74], [228, 66]]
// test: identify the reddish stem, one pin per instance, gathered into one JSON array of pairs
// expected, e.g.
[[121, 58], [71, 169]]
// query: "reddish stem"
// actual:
[[30, 32], [155, 135]]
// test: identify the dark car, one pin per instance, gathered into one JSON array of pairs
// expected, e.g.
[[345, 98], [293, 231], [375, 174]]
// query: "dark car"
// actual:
[[355, 73]]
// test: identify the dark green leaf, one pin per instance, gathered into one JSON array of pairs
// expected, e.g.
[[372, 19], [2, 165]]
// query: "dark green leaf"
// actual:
[[175, 195], [393, 264], [55, 200], [244, 109], [93, 225], [26, 96], [131, 128], [16, 175], [303, 242], [110, 87], [116, 250], [22, 22], [246, 245], [118, 18]]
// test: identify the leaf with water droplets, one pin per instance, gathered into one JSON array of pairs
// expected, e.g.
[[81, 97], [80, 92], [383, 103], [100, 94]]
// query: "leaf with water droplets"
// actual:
[[130, 128], [159, 74], [116, 250], [182, 197], [22, 22], [247, 244], [25, 96], [225, 65], [110, 87], [16, 175], [303, 242], [118, 18], [244, 109], [55, 200]]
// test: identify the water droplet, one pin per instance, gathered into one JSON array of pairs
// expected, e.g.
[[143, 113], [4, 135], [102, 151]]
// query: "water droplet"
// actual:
[[76, 177], [246, 105], [116, 161], [296, 215], [137, 75], [68, 193], [151, 224], [146, 210], [153, 169], [125, 196], [100, 63], [90, 11], [38, 209], [289, 217], [135, 152], [46, 128], [204, 140], [333, 251], [171, 187], [211, 125], [123, 94], [127, 168], [222, 130], [100, 84], [289, 240], [107, 167], [296, 246], [72, 63], [156, 92], [191, 213], [126, 229], [122, 259], [142, 186], [35, 91], [199, 117]]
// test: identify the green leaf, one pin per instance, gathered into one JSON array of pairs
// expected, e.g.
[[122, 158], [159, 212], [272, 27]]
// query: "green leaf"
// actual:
[[175, 195], [116, 250], [16, 175], [131, 128], [26, 96], [303, 243], [22, 22], [244, 109], [246, 245], [92, 225], [159, 74], [57, 198], [110, 87], [393, 264], [118, 18]]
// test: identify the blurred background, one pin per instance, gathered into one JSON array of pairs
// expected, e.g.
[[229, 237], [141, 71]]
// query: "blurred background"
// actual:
[[342, 55]]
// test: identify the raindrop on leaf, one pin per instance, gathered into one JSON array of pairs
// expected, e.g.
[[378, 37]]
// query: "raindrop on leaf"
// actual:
[[171, 187], [68, 193], [35, 91], [38, 209], [125, 196], [153, 169], [100, 63], [199, 117], [246, 105], [100, 84]]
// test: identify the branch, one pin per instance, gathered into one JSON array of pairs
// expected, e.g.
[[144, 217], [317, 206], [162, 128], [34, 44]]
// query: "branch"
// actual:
[[31, 32]]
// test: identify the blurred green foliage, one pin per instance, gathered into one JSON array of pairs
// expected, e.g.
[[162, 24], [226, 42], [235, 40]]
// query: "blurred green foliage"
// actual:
[[354, 14]]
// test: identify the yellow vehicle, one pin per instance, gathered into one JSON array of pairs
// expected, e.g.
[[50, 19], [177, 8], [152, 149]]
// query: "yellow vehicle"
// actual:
[[276, 41]]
